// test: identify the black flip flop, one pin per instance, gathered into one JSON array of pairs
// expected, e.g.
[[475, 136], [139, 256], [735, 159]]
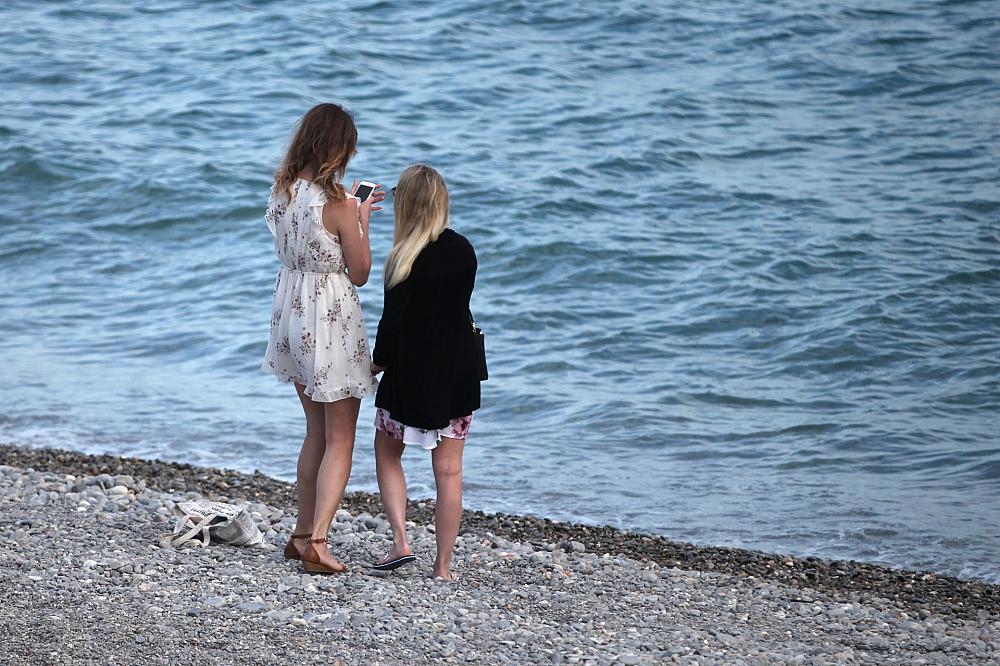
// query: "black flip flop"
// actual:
[[394, 564]]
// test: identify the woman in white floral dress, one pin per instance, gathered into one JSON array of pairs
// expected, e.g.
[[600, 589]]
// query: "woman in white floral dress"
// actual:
[[318, 339]]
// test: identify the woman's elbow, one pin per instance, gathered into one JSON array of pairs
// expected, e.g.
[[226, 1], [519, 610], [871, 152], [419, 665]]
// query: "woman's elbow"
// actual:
[[359, 278]]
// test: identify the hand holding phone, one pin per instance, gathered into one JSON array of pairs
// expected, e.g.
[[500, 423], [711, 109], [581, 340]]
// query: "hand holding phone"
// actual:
[[364, 190], [368, 195]]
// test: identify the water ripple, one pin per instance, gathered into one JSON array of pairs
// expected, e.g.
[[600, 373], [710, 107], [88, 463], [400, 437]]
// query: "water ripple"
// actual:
[[738, 262]]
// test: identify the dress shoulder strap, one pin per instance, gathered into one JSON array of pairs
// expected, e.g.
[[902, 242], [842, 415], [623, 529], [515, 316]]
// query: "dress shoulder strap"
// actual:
[[321, 199], [276, 204], [316, 207]]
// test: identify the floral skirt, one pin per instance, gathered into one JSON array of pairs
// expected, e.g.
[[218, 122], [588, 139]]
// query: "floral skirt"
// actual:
[[425, 439], [318, 336]]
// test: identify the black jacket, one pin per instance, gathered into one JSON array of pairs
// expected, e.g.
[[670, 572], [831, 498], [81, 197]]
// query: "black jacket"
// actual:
[[425, 339]]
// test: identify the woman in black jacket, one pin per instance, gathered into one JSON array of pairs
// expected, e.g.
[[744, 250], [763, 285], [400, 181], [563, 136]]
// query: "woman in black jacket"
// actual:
[[428, 351]]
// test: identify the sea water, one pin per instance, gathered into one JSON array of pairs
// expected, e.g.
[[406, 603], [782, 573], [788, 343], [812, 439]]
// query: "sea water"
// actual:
[[738, 261]]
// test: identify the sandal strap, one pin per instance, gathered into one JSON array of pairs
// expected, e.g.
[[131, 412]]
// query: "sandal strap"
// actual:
[[302, 536], [323, 540]]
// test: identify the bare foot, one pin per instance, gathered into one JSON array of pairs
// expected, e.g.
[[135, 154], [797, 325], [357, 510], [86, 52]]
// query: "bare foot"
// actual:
[[444, 573]]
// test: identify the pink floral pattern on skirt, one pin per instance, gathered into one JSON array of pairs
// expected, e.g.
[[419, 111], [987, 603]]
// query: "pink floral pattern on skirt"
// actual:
[[456, 429]]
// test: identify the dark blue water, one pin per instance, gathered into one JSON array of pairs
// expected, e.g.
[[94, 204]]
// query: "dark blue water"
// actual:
[[739, 261]]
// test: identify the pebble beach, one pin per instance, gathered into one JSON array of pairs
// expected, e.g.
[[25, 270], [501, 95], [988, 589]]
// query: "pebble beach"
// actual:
[[86, 576]]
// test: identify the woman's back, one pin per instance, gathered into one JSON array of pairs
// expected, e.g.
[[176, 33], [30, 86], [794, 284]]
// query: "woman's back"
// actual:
[[425, 338], [300, 240], [443, 277]]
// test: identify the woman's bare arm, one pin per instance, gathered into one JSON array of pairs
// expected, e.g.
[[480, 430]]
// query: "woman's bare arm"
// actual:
[[344, 219], [349, 221]]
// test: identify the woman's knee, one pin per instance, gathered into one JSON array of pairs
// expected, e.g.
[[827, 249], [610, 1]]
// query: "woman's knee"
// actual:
[[448, 469], [387, 458], [387, 447], [338, 439]]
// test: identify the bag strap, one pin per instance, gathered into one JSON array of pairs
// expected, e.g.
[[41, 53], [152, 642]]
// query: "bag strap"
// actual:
[[189, 535], [187, 521]]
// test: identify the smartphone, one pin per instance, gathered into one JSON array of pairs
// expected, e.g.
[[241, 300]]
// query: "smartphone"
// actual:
[[364, 190]]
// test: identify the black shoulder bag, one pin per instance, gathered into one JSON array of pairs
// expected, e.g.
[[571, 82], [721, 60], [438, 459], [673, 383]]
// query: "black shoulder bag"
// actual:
[[480, 346]]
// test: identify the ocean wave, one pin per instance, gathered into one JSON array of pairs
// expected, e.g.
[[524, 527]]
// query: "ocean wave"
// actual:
[[725, 259]]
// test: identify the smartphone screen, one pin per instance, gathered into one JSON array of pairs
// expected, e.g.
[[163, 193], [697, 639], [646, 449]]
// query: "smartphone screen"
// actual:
[[364, 191]]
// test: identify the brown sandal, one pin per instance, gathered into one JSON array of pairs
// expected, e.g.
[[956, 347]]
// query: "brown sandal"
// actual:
[[291, 552], [313, 565]]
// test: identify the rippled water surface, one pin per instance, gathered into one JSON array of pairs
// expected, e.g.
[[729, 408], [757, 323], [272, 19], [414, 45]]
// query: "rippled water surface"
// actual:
[[738, 260]]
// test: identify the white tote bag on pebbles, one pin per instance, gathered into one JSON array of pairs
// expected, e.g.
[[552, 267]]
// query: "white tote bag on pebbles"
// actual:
[[203, 522]]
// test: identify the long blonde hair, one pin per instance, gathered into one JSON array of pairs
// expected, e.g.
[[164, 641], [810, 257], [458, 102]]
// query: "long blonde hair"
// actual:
[[420, 204], [324, 142]]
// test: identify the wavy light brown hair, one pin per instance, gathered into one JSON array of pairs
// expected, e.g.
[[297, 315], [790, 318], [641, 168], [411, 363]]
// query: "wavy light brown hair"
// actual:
[[420, 204], [324, 142]]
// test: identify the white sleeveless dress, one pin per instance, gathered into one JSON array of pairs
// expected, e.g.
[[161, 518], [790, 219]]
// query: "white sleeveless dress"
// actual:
[[318, 336]]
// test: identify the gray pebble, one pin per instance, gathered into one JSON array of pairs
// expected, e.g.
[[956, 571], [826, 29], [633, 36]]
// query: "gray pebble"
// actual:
[[514, 603]]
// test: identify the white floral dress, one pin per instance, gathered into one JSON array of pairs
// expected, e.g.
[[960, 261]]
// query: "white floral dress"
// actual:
[[318, 337]]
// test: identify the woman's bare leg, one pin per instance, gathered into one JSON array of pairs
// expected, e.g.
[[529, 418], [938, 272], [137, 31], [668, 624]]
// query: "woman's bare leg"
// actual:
[[446, 459], [392, 487], [310, 458], [341, 418]]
